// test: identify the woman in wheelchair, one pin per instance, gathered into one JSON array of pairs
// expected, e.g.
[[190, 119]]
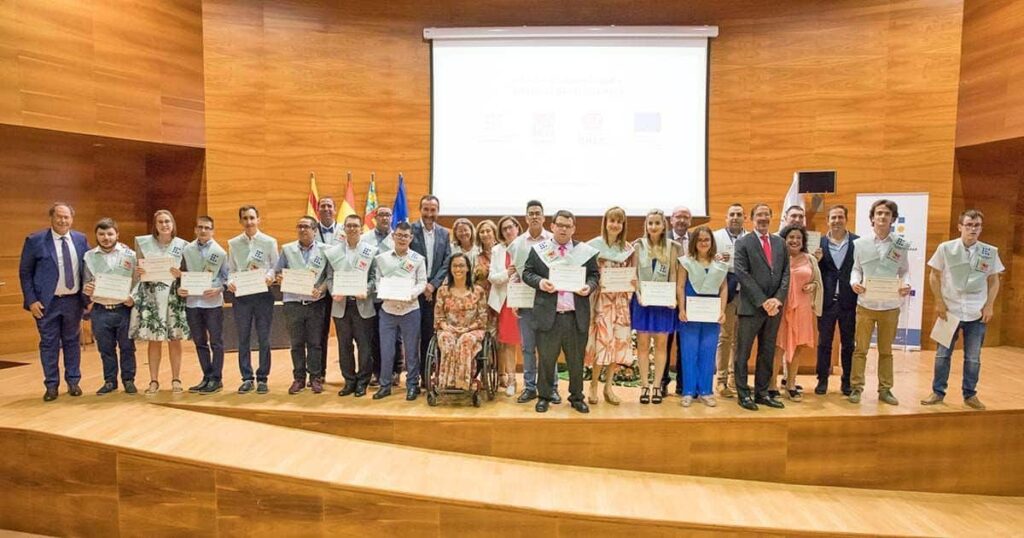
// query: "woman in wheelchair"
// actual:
[[460, 321]]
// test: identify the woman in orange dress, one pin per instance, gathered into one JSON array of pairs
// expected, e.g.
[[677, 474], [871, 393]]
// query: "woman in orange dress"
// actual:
[[796, 340], [608, 344], [460, 319]]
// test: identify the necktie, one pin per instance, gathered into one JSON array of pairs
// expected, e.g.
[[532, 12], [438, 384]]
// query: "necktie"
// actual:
[[561, 250], [65, 254], [767, 246]]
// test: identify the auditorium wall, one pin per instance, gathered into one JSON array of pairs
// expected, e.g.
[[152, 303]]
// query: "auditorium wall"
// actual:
[[868, 88]]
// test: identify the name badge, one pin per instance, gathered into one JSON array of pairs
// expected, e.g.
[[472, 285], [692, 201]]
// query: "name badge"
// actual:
[[408, 266], [660, 268], [362, 264]]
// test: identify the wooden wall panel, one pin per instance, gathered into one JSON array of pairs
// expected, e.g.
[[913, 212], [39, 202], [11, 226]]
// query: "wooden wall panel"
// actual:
[[112, 68], [991, 72]]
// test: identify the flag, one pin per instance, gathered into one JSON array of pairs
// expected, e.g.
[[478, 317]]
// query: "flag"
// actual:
[[792, 198], [400, 210], [348, 205], [313, 202], [370, 215]]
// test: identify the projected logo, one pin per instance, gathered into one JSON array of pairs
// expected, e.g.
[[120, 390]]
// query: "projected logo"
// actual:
[[543, 127], [592, 128]]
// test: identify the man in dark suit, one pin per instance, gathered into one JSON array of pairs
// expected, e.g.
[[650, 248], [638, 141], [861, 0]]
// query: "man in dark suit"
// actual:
[[431, 240], [561, 318], [839, 305], [50, 271], [762, 267], [329, 234]]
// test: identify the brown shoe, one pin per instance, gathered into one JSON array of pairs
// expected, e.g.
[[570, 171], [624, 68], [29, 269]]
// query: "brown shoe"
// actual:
[[297, 387], [316, 386], [974, 403], [932, 399]]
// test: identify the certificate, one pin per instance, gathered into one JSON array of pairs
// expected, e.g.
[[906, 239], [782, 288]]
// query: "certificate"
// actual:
[[944, 329], [298, 281], [703, 309], [157, 268], [196, 282], [881, 288], [617, 279], [250, 282], [395, 288], [111, 286], [520, 295], [350, 283], [659, 293], [813, 241], [567, 278]]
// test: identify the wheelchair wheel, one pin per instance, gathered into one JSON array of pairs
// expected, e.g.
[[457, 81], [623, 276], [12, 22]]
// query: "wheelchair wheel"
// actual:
[[430, 368], [490, 366]]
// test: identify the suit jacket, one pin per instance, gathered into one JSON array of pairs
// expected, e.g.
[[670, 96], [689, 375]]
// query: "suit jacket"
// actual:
[[442, 249], [545, 304], [759, 281], [831, 275], [37, 268]]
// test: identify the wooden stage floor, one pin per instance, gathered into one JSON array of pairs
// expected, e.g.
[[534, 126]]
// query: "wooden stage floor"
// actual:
[[255, 457]]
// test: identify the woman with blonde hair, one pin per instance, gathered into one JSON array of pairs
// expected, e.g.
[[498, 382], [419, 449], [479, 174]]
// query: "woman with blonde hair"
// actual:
[[486, 238], [501, 272], [656, 262], [463, 239], [159, 313], [609, 342]]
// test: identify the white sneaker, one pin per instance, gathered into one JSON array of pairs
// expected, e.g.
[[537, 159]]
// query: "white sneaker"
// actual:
[[686, 401], [510, 389], [709, 400]]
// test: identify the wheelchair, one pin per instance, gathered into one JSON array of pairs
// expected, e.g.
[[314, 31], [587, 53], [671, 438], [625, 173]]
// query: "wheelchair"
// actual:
[[485, 372]]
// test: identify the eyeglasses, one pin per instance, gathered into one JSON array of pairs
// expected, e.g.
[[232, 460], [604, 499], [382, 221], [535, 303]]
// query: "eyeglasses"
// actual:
[[401, 236], [353, 225], [563, 226]]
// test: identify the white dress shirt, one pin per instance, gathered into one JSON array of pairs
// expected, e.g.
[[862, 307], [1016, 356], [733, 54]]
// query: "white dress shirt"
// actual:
[[428, 242], [61, 288], [857, 274], [963, 304]]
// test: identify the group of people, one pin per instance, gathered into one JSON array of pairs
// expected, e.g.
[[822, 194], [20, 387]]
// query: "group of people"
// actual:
[[707, 294]]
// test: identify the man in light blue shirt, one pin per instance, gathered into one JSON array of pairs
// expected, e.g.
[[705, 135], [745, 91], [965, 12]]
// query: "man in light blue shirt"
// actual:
[[204, 309]]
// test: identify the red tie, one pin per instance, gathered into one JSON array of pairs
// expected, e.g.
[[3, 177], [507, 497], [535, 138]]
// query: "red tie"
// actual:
[[767, 246]]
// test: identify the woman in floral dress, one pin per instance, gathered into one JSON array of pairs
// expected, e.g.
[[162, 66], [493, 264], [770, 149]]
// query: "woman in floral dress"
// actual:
[[609, 342], [460, 319], [159, 313]]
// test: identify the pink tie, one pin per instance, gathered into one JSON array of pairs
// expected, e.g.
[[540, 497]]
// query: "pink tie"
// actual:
[[561, 250], [767, 249]]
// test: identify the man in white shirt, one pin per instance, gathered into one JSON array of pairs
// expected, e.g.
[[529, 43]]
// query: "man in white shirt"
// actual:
[[520, 249], [725, 245], [432, 241], [965, 283], [111, 316], [401, 318], [328, 233], [881, 257], [380, 237]]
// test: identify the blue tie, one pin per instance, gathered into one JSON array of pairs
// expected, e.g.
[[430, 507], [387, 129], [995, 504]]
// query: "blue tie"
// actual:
[[65, 254]]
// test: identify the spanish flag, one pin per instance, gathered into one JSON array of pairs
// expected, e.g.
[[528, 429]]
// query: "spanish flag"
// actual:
[[313, 202], [348, 205]]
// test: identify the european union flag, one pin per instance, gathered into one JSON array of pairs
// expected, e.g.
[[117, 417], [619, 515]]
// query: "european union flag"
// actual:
[[400, 209]]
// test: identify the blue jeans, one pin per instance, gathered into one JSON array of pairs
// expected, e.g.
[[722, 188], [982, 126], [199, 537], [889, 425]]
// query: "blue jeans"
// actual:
[[529, 338], [406, 327], [974, 337], [110, 329], [258, 308]]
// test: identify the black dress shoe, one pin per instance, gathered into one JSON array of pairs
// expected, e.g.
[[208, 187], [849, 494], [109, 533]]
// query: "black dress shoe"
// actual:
[[74, 390], [747, 403], [382, 393], [348, 389], [412, 393], [212, 387], [846, 389], [51, 394], [821, 388], [542, 406], [360, 392], [770, 401], [580, 406], [107, 388], [526, 396], [556, 398], [199, 388]]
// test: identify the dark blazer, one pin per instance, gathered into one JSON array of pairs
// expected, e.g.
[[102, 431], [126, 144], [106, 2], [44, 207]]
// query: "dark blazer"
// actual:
[[38, 271], [544, 304], [759, 281], [830, 275], [442, 248]]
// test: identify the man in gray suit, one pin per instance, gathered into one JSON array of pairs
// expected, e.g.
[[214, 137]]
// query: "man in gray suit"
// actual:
[[762, 267], [430, 240], [354, 315]]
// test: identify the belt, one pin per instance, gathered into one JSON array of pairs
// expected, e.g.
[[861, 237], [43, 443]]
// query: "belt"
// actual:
[[65, 295], [307, 303], [113, 306], [564, 313]]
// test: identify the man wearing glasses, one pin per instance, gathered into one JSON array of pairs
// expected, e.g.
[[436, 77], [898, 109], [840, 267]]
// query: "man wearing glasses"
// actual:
[[380, 237], [204, 308], [400, 318]]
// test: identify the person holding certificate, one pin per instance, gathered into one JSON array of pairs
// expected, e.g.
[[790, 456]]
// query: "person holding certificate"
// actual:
[[380, 237], [725, 246], [463, 238], [656, 255], [460, 319], [202, 287], [401, 277], [608, 344], [879, 278], [762, 267], [252, 253], [703, 295], [561, 317], [502, 271], [965, 283], [796, 341], [109, 272], [351, 262], [159, 313], [303, 267]]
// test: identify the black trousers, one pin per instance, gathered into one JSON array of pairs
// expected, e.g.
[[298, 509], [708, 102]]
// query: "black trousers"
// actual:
[[375, 346], [426, 330], [847, 321], [765, 329], [207, 328], [353, 328], [324, 338], [564, 336], [304, 327]]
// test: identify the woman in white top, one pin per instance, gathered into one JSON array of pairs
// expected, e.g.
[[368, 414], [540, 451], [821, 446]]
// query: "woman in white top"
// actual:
[[463, 238], [502, 271]]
